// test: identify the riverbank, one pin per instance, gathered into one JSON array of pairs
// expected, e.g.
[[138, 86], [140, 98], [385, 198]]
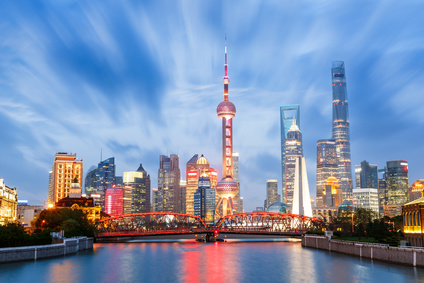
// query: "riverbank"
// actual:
[[402, 255], [69, 246]]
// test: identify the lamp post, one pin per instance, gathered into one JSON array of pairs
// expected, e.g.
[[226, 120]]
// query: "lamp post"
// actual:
[[352, 220]]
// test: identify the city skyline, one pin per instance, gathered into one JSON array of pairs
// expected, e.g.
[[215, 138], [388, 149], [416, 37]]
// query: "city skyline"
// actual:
[[143, 80]]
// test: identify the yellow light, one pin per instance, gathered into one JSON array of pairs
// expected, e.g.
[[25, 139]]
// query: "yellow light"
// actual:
[[50, 205]]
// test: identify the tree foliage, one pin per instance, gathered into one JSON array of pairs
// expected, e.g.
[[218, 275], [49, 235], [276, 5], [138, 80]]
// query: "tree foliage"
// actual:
[[14, 235], [73, 221]]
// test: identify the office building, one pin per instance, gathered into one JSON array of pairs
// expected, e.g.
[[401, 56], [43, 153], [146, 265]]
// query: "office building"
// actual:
[[397, 182], [289, 114], [139, 181], [156, 200], [66, 167], [271, 192], [90, 186], [237, 204], [105, 178], [340, 128], [204, 199], [366, 175], [366, 198], [169, 183], [326, 166], [118, 200]]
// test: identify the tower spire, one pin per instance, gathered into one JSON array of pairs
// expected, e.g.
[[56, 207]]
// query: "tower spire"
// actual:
[[226, 80]]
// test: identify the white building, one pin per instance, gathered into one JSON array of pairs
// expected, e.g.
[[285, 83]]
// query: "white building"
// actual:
[[366, 198]]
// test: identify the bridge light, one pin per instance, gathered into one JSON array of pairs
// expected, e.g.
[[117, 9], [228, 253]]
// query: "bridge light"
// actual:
[[216, 232]]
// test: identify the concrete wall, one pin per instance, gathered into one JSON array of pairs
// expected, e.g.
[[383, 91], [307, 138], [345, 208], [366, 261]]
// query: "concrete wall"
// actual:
[[408, 256], [69, 246]]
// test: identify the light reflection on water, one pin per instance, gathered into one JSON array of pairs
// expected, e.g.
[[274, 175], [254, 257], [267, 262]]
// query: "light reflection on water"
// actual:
[[233, 261]]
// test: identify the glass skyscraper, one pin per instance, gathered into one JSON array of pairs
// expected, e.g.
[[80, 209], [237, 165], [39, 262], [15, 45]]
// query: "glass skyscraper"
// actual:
[[293, 151], [340, 128], [169, 184], [204, 199], [288, 114], [397, 182], [139, 181], [271, 192], [366, 175], [105, 178], [326, 167], [91, 180]]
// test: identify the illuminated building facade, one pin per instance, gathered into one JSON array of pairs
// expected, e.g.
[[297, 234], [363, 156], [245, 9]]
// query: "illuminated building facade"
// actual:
[[340, 128], [237, 203], [155, 200], [118, 200], [397, 182], [332, 193], [413, 227], [195, 167], [105, 178], [415, 190], [139, 181], [289, 114], [366, 175], [271, 192], [366, 198], [293, 151], [8, 203], [183, 194], [326, 166], [226, 188], [169, 183], [66, 167], [204, 200]]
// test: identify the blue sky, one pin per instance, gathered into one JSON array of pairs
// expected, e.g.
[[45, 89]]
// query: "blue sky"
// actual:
[[143, 78]]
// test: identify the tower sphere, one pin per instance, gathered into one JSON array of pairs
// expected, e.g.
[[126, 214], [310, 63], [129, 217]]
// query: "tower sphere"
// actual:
[[226, 109], [226, 187]]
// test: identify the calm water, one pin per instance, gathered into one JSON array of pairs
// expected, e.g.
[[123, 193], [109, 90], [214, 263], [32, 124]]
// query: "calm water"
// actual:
[[219, 262]]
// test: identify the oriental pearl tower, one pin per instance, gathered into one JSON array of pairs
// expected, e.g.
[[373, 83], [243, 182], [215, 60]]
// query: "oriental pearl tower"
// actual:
[[226, 188]]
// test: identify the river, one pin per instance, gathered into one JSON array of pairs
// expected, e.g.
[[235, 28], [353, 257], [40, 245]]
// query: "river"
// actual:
[[208, 262]]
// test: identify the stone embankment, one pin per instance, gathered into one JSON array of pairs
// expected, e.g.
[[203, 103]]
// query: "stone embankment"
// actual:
[[403, 255], [69, 246]]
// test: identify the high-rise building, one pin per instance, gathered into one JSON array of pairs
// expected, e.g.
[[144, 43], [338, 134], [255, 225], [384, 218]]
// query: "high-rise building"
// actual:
[[237, 206], [204, 199], [289, 114], [326, 166], [51, 184], [195, 167], [397, 182], [169, 183], [366, 198], [332, 194], [118, 200], [271, 192], [366, 175], [66, 167], [293, 151], [340, 128], [156, 200], [226, 188], [105, 178], [90, 186], [183, 194], [139, 181]]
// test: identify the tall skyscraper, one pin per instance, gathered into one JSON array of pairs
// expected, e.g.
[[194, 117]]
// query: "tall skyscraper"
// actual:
[[91, 180], [288, 114], [293, 151], [169, 183], [139, 181], [340, 128], [332, 194], [326, 166], [105, 178], [183, 194], [366, 175], [226, 188], [156, 201], [195, 167], [397, 182], [271, 192], [66, 167]]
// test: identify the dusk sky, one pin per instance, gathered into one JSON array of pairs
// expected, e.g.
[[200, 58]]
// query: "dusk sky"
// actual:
[[142, 78]]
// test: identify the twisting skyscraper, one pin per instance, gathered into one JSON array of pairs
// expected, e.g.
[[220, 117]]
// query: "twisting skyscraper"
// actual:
[[226, 187], [340, 132]]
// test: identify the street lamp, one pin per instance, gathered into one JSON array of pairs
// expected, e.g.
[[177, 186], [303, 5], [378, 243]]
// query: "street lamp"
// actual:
[[352, 220]]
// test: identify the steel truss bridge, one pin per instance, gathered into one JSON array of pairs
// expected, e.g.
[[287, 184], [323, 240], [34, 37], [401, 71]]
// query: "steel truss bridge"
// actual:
[[139, 225]]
